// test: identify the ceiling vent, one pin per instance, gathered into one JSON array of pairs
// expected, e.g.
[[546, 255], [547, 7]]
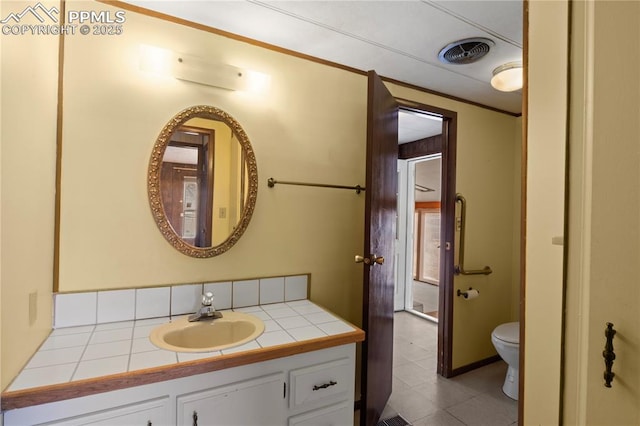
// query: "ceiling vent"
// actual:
[[465, 51]]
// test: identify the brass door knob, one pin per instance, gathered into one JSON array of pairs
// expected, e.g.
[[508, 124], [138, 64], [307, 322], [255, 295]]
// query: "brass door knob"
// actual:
[[371, 260]]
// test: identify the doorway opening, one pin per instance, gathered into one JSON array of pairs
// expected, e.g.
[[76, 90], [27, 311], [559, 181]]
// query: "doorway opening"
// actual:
[[426, 220], [422, 208]]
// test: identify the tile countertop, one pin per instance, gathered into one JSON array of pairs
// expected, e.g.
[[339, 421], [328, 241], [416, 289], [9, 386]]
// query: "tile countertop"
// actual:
[[79, 361]]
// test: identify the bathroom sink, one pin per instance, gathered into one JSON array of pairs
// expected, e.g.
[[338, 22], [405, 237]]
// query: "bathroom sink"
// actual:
[[233, 329]]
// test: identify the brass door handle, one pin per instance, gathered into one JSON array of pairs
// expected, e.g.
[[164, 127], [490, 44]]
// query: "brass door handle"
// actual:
[[371, 260]]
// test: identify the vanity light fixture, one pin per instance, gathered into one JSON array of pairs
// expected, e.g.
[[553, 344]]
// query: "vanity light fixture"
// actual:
[[507, 77], [198, 70]]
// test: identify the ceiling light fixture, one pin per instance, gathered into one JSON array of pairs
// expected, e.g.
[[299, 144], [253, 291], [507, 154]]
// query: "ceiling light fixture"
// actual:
[[507, 77]]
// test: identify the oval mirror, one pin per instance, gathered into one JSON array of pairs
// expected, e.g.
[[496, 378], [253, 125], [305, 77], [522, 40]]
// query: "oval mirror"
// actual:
[[202, 181]]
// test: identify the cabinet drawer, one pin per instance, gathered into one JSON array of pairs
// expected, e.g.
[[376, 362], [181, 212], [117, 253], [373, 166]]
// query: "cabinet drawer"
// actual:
[[334, 415], [320, 382]]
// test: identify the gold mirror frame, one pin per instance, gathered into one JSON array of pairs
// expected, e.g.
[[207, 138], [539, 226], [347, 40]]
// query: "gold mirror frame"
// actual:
[[153, 180]]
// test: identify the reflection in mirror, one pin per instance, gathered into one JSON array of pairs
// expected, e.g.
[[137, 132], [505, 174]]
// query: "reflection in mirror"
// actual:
[[202, 181]]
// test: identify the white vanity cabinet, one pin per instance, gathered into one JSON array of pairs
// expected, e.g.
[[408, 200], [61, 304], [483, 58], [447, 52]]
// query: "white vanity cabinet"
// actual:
[[251, 402], [312, 388]]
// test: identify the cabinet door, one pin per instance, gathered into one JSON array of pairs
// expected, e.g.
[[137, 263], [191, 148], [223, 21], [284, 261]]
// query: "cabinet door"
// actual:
[[334, 415], [258, 401], [149, 413]]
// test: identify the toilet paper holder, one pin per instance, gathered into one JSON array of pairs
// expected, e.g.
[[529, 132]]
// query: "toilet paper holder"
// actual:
[[465, 294]]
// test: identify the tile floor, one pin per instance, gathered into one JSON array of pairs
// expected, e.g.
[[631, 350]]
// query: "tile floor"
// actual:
[[424, 398]]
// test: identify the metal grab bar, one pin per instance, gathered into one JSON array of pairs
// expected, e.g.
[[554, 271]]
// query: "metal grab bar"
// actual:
[[271, 182], [459, 269]]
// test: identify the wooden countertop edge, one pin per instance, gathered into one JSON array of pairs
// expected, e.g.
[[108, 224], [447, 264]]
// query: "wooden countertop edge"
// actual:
[[59, 392]]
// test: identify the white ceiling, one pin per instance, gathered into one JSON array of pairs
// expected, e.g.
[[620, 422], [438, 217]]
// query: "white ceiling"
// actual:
[[413, 126], [399, 39]]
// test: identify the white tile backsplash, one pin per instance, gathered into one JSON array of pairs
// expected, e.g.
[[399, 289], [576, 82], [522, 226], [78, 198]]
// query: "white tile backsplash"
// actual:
[[245, 293], [271, 290], [113, 308], [222, 294], [75, 309], [185, 298], [153, 302], [116, 305], [295, 288]]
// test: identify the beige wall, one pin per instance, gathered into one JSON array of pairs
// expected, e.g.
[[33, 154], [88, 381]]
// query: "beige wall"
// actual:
[[29, 95], [548, 32], [310, 127], [486, 174]]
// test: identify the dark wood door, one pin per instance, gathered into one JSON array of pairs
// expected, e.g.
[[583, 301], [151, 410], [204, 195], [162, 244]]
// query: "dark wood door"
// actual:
[[379, 240]]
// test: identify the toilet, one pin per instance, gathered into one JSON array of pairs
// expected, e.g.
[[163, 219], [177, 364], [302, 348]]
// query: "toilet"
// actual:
[[506, 339]]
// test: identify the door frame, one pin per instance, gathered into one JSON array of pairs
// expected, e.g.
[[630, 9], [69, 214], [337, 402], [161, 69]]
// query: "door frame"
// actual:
[[447, 147]]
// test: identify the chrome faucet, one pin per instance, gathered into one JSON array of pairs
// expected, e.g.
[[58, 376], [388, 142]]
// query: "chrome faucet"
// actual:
[[206, 310]]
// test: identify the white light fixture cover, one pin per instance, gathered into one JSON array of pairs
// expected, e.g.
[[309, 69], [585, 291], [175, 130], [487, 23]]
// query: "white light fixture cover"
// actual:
[[507, 77], [197, 70]]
